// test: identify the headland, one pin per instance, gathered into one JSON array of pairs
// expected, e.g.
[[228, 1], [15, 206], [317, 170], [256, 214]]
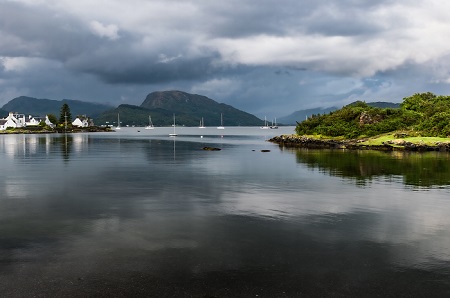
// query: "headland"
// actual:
[[388, 142]]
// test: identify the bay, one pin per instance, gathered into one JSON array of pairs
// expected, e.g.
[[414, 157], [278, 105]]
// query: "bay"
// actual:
[[138, 213]]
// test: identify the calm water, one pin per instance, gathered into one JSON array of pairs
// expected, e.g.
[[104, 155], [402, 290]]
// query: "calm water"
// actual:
[[136, 213]]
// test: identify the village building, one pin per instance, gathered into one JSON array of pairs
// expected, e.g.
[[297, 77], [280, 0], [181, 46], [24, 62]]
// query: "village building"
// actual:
[[82, 121], [15, 120], [35, 121]]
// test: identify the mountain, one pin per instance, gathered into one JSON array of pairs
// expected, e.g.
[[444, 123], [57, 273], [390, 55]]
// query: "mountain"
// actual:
[[301, 115], [189, 109], [3, 113], [135, 115], [40, 107], [384, 105]]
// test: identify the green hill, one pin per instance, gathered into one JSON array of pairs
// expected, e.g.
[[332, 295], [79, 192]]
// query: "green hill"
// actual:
[[40, 107], [188, 108], [135, 115], [302, 115], [423, 114], [191, 108]]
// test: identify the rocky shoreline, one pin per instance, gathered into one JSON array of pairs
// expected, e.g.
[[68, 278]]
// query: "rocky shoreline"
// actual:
[[295, 141]]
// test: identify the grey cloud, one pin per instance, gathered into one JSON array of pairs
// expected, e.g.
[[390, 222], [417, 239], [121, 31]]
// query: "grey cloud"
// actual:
[[184, 52], [40, 32], [148, 72], [245, 18]]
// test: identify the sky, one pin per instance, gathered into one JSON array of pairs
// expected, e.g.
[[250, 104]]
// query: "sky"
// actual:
[[266, 57]]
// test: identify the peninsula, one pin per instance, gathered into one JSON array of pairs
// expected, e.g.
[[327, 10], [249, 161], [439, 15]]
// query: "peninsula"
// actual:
[[422, 123]]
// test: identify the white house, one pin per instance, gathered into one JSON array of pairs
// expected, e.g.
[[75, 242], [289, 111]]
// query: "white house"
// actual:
[[82, 121], [48, 122], [34, 121], [19, 120], [13, 120]]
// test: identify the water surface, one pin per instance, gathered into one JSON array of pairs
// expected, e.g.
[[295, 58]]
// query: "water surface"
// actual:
[[136, 212]]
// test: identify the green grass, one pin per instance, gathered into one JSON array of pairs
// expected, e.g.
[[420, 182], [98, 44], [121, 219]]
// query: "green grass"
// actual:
[[387, 138], [379, 140]]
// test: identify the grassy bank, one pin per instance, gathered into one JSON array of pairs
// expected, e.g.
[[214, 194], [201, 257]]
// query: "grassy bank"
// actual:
[[385, 142], [393, 139]]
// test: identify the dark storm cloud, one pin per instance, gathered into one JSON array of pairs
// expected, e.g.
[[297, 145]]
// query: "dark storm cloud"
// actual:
[[147, 71], [261, 56], [41, 32]]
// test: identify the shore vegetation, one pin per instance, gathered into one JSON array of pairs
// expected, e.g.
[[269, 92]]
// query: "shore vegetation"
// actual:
[[420, 115]]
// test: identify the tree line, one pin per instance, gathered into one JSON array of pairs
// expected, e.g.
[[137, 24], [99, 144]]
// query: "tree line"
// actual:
[[422, 114], [65, 117]]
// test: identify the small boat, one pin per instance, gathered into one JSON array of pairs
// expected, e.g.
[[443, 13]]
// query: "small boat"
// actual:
[[221, 122], [265, 124], [174, 134], [118, 121], [150, 123], [202, 125], [274, 126]]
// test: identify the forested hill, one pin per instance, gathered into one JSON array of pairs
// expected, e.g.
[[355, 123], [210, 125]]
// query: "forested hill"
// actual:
[[191, 108], [301, 115], [424, 114], [40, 107]]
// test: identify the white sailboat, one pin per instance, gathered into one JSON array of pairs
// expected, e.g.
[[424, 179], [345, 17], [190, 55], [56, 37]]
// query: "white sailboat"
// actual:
[[274, 126], [174, 134], [118, 121], [150, 123], [202, 125], [221, 122], [265, 124]]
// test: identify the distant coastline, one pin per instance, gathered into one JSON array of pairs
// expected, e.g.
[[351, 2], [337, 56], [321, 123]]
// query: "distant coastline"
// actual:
[[38, 130]]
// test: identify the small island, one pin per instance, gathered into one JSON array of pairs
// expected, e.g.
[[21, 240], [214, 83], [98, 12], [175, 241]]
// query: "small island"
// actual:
[[422, 123]]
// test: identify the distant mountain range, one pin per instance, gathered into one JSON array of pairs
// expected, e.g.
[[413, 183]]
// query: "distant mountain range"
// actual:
[[301, 115], [41, 107], [188, 108]]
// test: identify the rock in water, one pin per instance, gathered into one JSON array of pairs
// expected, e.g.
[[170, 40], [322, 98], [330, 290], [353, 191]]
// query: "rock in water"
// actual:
[[211, 149]]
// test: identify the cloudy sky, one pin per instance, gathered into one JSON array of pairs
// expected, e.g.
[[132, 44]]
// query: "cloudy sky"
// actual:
[[266, 57]]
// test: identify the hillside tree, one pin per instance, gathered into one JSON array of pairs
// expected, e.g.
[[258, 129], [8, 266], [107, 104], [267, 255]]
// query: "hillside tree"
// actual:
[[65, 114], [52, 118]]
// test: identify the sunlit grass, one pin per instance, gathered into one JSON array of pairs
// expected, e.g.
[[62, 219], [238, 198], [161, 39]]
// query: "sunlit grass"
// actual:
[[379, 140], [390, 138]]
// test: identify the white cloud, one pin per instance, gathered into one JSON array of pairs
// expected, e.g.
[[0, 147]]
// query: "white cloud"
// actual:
[[24, 64], [165, 59], [108, 31]]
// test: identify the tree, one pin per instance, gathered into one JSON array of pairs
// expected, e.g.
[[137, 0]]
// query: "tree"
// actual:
[[52, 118], [65, 115], [418, 102]]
